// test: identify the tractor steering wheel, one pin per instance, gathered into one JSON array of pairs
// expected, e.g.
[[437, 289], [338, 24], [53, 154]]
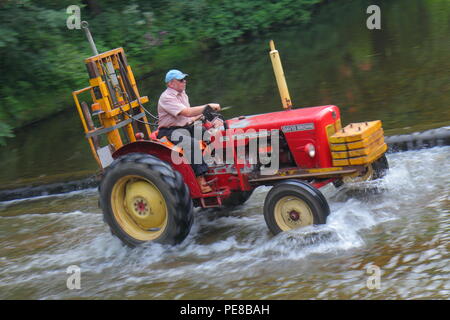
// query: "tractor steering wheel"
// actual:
[[209, 115]]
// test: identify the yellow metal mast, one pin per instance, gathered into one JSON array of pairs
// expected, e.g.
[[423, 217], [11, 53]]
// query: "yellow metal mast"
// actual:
[[116, 102], [279, 75]]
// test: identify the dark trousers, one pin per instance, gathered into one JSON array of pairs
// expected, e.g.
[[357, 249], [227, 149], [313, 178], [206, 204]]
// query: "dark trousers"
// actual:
[[183, 138]]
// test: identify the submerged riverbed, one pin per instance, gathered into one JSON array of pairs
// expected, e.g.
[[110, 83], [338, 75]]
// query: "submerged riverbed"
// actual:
[[401, 225]]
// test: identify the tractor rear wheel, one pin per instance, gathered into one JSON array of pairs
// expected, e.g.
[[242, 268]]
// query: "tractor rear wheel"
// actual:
[[294, 204], [143, 200]]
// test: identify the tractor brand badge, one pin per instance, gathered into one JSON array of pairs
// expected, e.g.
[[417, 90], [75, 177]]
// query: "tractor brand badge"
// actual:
[[298, 127]]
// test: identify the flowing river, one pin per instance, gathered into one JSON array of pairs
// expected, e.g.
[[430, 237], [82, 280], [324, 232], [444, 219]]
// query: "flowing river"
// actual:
[[399, 227]]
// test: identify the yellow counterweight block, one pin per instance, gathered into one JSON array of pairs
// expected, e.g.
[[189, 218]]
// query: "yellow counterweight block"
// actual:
[[358, 144]]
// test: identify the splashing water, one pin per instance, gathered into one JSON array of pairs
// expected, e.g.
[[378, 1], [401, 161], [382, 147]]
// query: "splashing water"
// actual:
[[400, 224]]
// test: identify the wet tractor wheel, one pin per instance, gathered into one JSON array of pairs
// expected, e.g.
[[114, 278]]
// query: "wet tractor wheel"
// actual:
[[376, 170], [143, 199], [294, 204], [380, 168]]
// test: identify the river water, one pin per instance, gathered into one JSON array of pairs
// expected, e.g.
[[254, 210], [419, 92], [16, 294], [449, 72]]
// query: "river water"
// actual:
[[400, 225]]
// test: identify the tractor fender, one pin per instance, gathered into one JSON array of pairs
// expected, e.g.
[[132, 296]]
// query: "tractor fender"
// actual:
[[164, 153]]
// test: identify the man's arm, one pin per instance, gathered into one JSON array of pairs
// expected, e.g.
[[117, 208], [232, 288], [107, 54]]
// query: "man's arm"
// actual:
[[195, 111]]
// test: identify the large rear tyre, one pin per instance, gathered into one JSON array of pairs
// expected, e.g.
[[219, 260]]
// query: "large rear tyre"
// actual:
[[143, 200], [294, 204]]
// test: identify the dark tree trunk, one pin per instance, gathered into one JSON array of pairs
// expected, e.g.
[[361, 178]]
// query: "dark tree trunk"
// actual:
[[93, 7]]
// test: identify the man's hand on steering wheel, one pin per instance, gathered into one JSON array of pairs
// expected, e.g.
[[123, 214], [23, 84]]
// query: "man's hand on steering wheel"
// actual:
[[211, 112], [214, 106], [212, 117]]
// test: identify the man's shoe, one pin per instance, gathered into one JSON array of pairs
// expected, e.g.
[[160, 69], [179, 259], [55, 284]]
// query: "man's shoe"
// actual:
[[205, 188]]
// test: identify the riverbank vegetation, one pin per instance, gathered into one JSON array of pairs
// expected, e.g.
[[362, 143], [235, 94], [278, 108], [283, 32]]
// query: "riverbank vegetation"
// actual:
[[42, 60]]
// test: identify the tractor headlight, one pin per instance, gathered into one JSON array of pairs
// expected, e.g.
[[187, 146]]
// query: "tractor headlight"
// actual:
[[310, 150]]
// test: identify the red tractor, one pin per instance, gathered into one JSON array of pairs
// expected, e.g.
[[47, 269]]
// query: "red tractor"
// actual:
[[147, 194]]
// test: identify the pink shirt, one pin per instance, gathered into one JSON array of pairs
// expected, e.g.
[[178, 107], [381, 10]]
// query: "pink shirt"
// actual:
[[170, 104]]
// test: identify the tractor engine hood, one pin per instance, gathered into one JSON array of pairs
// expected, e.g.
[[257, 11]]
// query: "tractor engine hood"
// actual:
[[287, 120], [300, 128]]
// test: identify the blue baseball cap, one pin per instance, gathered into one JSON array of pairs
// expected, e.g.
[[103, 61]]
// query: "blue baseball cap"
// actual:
[[175, 74]]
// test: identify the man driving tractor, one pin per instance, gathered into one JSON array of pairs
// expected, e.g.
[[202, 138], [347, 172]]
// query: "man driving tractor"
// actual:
[[175, 112], [147, 196]]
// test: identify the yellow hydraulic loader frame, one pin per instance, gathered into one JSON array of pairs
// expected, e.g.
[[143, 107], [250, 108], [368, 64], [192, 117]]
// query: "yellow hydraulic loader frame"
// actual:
[[116, 102]]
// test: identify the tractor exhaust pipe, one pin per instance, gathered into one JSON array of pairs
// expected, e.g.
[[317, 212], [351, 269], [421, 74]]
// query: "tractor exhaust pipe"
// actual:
[[279, 76], [111, 81], [85, 26]]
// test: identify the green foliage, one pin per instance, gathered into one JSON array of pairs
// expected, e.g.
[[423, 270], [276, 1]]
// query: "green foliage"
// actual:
[[42, 60], [37, 58], [5, 132], [221, 22]]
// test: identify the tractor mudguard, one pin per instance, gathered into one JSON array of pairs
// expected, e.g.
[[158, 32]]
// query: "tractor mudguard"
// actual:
[[164, 153]]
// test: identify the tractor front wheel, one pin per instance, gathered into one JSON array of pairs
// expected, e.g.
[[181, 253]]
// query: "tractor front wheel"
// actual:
[[143, 199], [294, 204], [374, 171], [380, 168]]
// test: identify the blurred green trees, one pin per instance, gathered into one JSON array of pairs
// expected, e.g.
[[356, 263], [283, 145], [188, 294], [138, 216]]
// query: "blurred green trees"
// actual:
[[42, 60]]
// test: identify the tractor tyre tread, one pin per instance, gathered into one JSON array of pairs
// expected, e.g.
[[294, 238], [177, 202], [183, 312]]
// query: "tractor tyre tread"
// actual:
[[183, 213], [311, 195]]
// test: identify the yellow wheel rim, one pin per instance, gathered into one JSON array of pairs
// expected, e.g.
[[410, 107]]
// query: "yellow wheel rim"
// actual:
[[139, 208], [292, 212]]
